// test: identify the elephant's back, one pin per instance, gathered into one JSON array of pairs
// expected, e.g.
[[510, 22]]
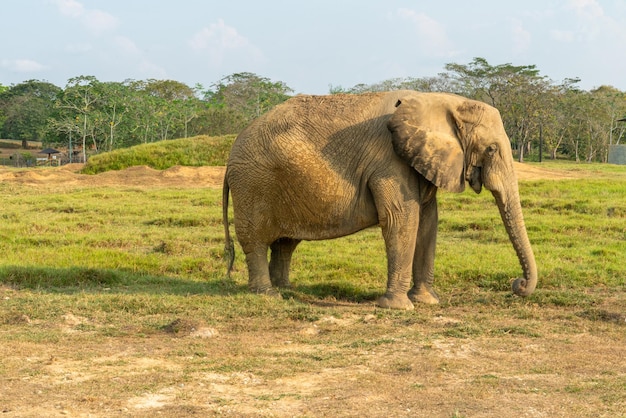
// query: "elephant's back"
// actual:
[[335, 111], [317, 136], [308, 123]]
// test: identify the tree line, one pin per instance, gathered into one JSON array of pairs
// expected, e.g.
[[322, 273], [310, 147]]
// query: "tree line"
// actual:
[[544, 119], [93, 116]]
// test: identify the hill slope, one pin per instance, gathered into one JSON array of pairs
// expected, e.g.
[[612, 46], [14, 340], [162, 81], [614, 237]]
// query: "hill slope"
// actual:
[[195, 152]]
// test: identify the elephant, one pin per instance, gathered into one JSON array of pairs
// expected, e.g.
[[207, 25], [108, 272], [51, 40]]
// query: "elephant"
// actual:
[[323, 167]]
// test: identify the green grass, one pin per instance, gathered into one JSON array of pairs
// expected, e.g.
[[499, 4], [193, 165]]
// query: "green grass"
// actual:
[[196, 151], [131, 238], [101, 287], [576, 228]]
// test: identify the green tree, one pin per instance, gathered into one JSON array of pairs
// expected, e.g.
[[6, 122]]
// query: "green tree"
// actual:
[[168, 89], [489, 83], [437, 83], [2, 116], [248, 93], [143, 114], [175, 104], [78, 102], [187, 110], [231, 103], [25, 110], [611, 107], [554, 118], [217, 120], [112, 107]]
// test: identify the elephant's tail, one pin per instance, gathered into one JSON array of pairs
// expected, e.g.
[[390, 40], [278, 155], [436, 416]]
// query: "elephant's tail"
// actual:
[[229, 246]]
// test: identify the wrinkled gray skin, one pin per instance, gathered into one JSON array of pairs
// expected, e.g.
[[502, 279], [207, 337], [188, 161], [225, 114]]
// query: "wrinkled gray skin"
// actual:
[[320, 167]]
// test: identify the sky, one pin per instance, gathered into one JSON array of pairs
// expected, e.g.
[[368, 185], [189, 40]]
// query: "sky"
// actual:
[[308, 45]]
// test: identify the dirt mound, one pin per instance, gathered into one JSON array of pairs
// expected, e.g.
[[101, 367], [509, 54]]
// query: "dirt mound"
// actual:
[[68, 176]]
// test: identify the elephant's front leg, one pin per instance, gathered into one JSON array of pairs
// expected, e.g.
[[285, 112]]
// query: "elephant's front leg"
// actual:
[[424, 260], [399, 229]]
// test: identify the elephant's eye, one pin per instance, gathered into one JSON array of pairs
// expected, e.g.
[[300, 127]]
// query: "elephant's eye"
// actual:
[[491, 150]]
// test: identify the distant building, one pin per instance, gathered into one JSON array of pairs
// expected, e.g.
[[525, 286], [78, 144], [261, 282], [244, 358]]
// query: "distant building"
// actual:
[[617, 154]]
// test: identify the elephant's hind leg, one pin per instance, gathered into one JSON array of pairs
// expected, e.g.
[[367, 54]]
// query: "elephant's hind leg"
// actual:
[[280, 260], [258, 271]]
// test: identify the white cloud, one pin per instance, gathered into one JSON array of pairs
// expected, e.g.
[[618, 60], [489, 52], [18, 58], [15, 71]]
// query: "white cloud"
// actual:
[[99, 21], [218, 35], [94, 20], [432, 36], [594, 25], [126, 49], [589, 9], [521, 37], [150, 70], [126, 45], [22, 65], [219, 39], [581, 21], [562, 35], [70, 8]]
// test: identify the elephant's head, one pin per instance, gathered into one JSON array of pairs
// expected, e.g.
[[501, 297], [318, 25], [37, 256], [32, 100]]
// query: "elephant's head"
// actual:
[[450, 140]]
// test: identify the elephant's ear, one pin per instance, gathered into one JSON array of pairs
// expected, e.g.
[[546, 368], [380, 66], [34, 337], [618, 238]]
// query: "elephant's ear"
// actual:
[[425, 136]]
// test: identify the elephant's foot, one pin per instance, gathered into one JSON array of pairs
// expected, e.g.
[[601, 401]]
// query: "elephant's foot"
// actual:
[[423, 294], [268, 291], [282, 283], [395, 301]]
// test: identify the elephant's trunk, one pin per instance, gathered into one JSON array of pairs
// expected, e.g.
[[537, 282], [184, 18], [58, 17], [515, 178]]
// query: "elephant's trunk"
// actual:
[[511, 211]]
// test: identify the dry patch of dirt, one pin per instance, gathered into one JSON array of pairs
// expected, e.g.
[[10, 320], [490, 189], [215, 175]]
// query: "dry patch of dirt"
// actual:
[[412, 370], [68, 176], [529, 172]]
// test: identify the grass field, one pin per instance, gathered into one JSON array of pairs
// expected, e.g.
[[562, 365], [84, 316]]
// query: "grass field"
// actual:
[[114, 302]]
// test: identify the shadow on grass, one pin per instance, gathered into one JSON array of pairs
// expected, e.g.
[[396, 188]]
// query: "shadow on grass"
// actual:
[[331, 294], [75, 280], [78, 279]]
